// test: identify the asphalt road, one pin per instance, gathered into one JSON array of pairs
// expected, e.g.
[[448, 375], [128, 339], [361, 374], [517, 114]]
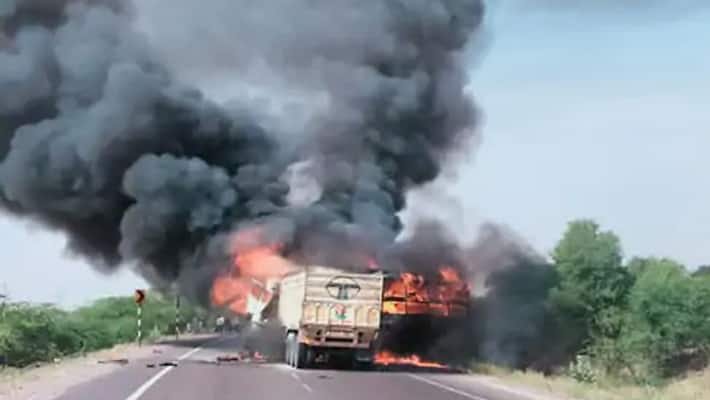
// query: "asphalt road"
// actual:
[[198, 377]]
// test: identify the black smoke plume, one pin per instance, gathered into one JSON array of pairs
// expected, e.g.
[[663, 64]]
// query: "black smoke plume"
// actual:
[[103, 139], [509, 321], [100, 140]]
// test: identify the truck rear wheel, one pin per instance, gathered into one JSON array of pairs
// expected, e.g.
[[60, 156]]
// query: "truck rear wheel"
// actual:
[[301, 356]]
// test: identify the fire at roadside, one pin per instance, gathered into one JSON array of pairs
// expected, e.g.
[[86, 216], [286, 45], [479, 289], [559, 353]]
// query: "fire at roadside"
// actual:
[[102, 139], [428, 319], [432, 318]]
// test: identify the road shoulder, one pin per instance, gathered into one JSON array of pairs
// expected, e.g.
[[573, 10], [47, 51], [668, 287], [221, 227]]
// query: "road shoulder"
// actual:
[[490, 387], [51, 380]]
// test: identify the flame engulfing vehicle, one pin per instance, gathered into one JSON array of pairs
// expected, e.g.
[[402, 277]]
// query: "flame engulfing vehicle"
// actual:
[[418, 311], [324, 312], [363, 318], [445, 295]]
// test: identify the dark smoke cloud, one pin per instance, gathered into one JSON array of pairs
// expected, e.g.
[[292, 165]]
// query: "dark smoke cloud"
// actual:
[[430, 246], [509, 322], [102, 140]]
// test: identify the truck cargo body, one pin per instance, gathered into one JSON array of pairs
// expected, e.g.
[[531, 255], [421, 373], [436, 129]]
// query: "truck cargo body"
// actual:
[[326, 311]]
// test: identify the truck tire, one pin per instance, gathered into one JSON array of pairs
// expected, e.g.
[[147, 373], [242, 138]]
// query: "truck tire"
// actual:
[[301, 356]]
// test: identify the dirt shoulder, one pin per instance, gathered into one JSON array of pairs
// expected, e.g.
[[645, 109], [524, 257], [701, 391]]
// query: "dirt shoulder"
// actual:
[[521, 390], [49, 380], [693, 387]]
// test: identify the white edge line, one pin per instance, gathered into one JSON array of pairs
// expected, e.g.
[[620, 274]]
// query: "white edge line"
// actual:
[[147, 385], [141, 390], [307, 387], [509, 390], [189, 353], [445, 387]]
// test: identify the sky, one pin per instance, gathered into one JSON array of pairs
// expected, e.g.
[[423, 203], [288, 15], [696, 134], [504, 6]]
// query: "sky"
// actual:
[[594, 111]]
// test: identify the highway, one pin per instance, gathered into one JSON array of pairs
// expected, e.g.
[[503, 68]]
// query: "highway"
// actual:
[[198, 376]]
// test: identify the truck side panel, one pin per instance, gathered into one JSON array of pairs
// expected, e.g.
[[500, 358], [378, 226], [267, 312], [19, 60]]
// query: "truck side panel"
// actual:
[[291, 295]]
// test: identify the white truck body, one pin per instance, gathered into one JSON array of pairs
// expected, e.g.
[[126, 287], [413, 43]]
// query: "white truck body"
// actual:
[[326, 309]]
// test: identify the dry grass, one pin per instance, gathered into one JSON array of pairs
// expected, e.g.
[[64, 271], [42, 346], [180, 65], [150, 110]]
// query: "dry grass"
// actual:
[[693, 387]]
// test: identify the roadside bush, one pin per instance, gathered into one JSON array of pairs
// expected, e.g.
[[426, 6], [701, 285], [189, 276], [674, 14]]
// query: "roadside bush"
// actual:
[[31, 333], [37, 333], [668, 323], [582, 370]]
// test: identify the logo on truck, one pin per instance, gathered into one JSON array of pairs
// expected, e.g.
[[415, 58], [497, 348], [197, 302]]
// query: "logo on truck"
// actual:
[[343, 288], [340, 312]]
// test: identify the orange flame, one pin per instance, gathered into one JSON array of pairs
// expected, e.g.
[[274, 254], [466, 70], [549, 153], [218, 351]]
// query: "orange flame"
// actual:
[[388, 358], [412, 294], [254, 264]]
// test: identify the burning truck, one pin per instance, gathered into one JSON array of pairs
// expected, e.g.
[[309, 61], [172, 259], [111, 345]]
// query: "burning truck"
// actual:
[[362, 318], [420, 309], [138, 167], [326, 313]]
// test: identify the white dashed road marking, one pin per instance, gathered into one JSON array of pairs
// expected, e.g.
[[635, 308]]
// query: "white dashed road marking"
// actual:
[[144, 388]]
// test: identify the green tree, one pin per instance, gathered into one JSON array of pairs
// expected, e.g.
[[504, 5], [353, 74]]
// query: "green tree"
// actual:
[[703, 270], [593, 285], [638, 265], [668, 324]]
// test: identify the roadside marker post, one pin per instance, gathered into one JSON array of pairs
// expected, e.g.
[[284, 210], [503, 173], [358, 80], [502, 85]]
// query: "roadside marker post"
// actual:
[[177, 316], [139, 322], [140, 298]]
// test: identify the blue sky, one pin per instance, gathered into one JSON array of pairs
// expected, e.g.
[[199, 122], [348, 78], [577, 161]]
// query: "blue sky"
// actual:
[[597, 115], [589, 112]]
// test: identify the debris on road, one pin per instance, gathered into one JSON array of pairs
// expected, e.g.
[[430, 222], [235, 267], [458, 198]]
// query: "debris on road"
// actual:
[[229, 358], [242, 356], [209, 362], [162, 364], [168, 364], [121, 361]]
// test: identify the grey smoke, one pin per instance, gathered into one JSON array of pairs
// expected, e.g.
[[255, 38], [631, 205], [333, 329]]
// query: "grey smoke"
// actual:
[[512, 320], [508, 323], [102, 139]]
